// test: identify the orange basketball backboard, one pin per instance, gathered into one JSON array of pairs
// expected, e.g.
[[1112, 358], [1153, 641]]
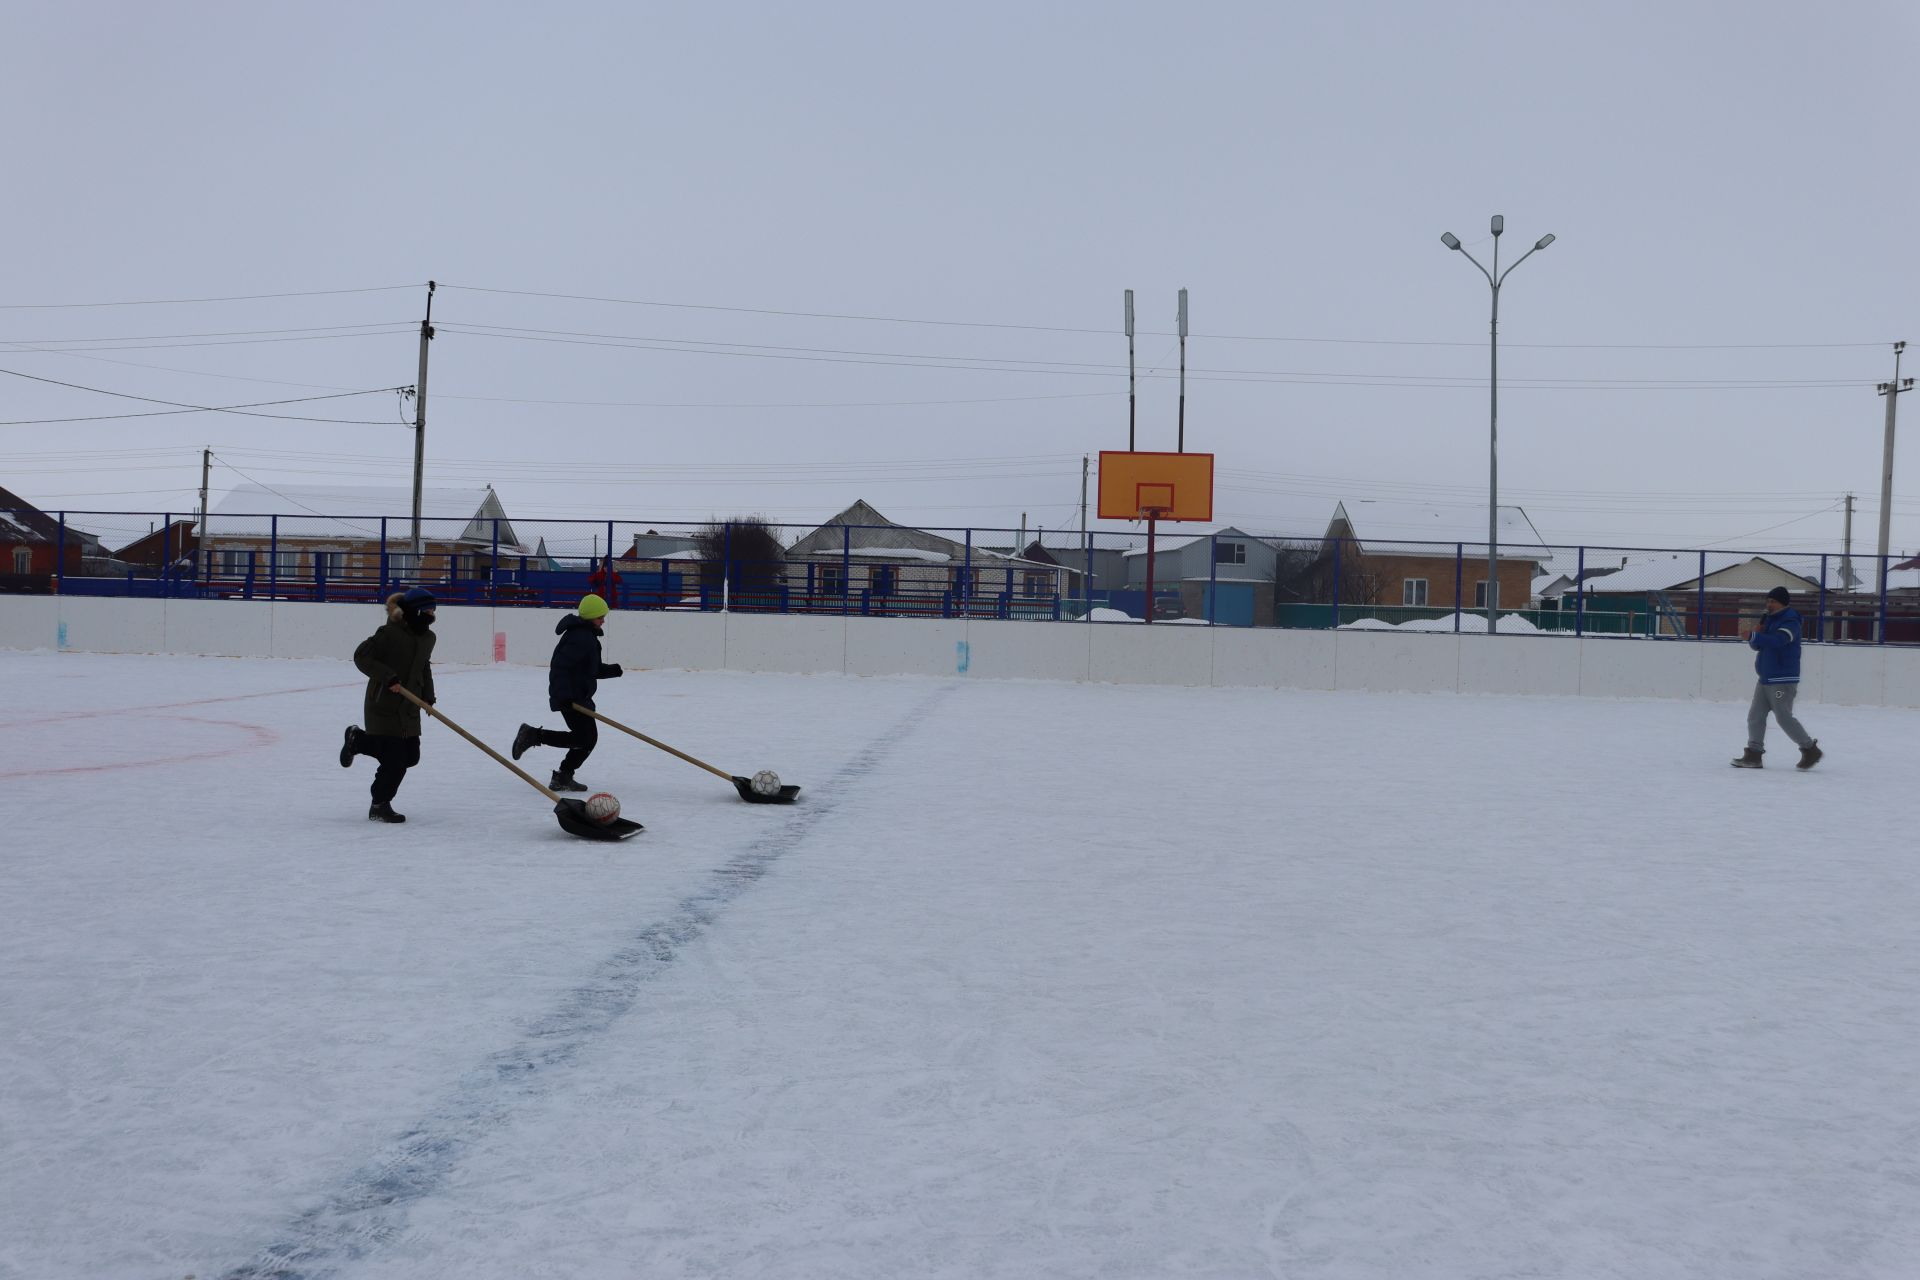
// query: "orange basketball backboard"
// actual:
[[1167, 486]]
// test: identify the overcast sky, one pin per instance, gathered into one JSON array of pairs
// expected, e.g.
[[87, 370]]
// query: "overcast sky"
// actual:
[[1733, 187]]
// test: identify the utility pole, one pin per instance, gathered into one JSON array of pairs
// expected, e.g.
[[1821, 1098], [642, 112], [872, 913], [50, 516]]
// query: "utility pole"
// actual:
[[204, 556], [1891, 390], [1131, 403], [420, 433], [1846, 550], [1183, 374]]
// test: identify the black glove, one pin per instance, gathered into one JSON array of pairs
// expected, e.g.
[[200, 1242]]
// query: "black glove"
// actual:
[[613, 669]]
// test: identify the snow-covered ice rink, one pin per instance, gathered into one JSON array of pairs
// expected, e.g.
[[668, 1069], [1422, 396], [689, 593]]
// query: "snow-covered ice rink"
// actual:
[[1037, 980]]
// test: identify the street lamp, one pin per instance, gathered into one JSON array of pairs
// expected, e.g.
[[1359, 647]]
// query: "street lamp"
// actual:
[[1496, 278]]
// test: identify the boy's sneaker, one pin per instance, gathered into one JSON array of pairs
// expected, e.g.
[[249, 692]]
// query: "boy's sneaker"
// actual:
[[350, 747], [383, 812], [564, 782], [1750, 759], [1810, 756], [525, 740]]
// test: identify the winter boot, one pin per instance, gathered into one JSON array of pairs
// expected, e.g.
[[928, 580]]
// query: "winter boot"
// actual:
[[350, 747], [564, 782], [383, 812], [1809, 756], [1750, 759], [525, 740]]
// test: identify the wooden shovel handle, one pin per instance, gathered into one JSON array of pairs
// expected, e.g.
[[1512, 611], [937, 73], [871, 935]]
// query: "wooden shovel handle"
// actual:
[[652, 742], [526, 777]]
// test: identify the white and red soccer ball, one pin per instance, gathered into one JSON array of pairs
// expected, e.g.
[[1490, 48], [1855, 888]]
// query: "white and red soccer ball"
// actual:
[[602, 807]]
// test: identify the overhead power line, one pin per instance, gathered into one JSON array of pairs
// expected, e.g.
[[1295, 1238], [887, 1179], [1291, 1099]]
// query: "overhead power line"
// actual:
[[170, 302], [1095, 369], [1111, 332], [202, 408]]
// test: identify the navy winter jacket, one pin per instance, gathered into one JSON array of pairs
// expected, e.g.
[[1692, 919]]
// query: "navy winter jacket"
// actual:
[[1778, 648], [576, 671]]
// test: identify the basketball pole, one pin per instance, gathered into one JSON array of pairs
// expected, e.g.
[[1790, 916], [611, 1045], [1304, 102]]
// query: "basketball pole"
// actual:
[[1182, 445], [1130, 393], [1152, 515]]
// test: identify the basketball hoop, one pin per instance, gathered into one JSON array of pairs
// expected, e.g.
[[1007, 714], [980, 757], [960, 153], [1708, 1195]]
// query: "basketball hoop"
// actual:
[[1154, 487]]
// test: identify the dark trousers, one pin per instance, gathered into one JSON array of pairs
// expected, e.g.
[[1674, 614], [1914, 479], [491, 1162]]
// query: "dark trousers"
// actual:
[[396, 756], [581, 737]]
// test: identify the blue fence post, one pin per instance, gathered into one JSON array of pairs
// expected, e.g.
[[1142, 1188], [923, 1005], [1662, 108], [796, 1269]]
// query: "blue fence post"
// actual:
[[1700, 601], [1886, 574], [1086, 583], [493, 567], [613, 591], [1336, 585], [1820, 610], [966, 579], [1580, 591], [1459, 580], [846, 569], [60, 554], [1213, 574], [166, 555], [384, 578], [273, 557]]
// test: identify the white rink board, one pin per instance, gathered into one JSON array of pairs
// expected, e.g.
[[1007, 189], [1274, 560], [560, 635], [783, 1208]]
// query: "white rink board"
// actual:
[[29, 622], [1122, 653]]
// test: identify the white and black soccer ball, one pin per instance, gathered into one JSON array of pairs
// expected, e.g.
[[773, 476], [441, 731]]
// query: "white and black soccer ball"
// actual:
[[602, 807], [766, 783]]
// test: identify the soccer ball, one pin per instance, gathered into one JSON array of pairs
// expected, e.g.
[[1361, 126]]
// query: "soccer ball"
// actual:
[[766, 783], [602, 807]]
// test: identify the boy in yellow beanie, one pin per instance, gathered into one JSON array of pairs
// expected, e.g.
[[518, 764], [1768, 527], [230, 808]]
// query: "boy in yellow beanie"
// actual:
[[573, 676]]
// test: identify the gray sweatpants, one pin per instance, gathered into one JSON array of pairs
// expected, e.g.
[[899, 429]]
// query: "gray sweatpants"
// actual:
[[1778, 699]]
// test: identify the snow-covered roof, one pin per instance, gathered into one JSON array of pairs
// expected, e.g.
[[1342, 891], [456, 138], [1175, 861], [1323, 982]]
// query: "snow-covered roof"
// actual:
[[1388, 527], [1161, 545], [1681, 571], [353, 513]]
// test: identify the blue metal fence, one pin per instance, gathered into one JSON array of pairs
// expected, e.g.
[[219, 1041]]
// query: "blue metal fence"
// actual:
[[1221, 578]]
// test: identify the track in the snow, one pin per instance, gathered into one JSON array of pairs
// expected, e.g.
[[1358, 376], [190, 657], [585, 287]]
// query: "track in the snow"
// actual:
[[369, 1206]]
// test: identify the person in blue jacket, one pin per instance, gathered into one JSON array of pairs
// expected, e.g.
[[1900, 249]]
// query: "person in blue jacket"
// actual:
[[573, 676], [1776, 646]]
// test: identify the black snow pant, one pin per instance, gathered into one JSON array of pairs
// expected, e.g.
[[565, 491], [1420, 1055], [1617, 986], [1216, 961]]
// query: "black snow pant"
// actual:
[[396, 756], [581, 737]]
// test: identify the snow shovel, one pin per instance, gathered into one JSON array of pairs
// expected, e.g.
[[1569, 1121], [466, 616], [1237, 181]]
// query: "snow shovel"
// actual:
[[571, 813], [744, 786]]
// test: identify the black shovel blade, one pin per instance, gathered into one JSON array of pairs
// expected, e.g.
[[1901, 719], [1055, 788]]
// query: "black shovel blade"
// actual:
[[575, 822], [745, 787]]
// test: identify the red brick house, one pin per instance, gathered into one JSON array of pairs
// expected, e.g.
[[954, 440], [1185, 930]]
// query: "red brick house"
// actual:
[[163, 547], [29, 541], [1413, 555]]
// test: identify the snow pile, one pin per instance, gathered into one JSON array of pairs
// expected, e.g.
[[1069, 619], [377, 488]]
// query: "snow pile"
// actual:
[[1510, 624]]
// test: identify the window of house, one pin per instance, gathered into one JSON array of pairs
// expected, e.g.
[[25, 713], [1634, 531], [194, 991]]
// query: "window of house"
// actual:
[[833, 580], [329, 564], [402, 564], [1229, 553], [286, 564], [23, 559], [235, 564], [1413, 591], [1038, 582], [883, 580], [1480, 595]]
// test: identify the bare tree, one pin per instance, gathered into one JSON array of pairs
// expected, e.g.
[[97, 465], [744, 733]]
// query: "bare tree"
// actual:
[[1304, 573], [747, 549]]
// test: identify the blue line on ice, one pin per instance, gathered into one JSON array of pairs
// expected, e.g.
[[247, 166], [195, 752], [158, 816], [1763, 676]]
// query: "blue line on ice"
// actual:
[[369, 1207]]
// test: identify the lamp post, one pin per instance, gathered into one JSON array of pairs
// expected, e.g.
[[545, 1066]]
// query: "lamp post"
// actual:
[[1495, 278]]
